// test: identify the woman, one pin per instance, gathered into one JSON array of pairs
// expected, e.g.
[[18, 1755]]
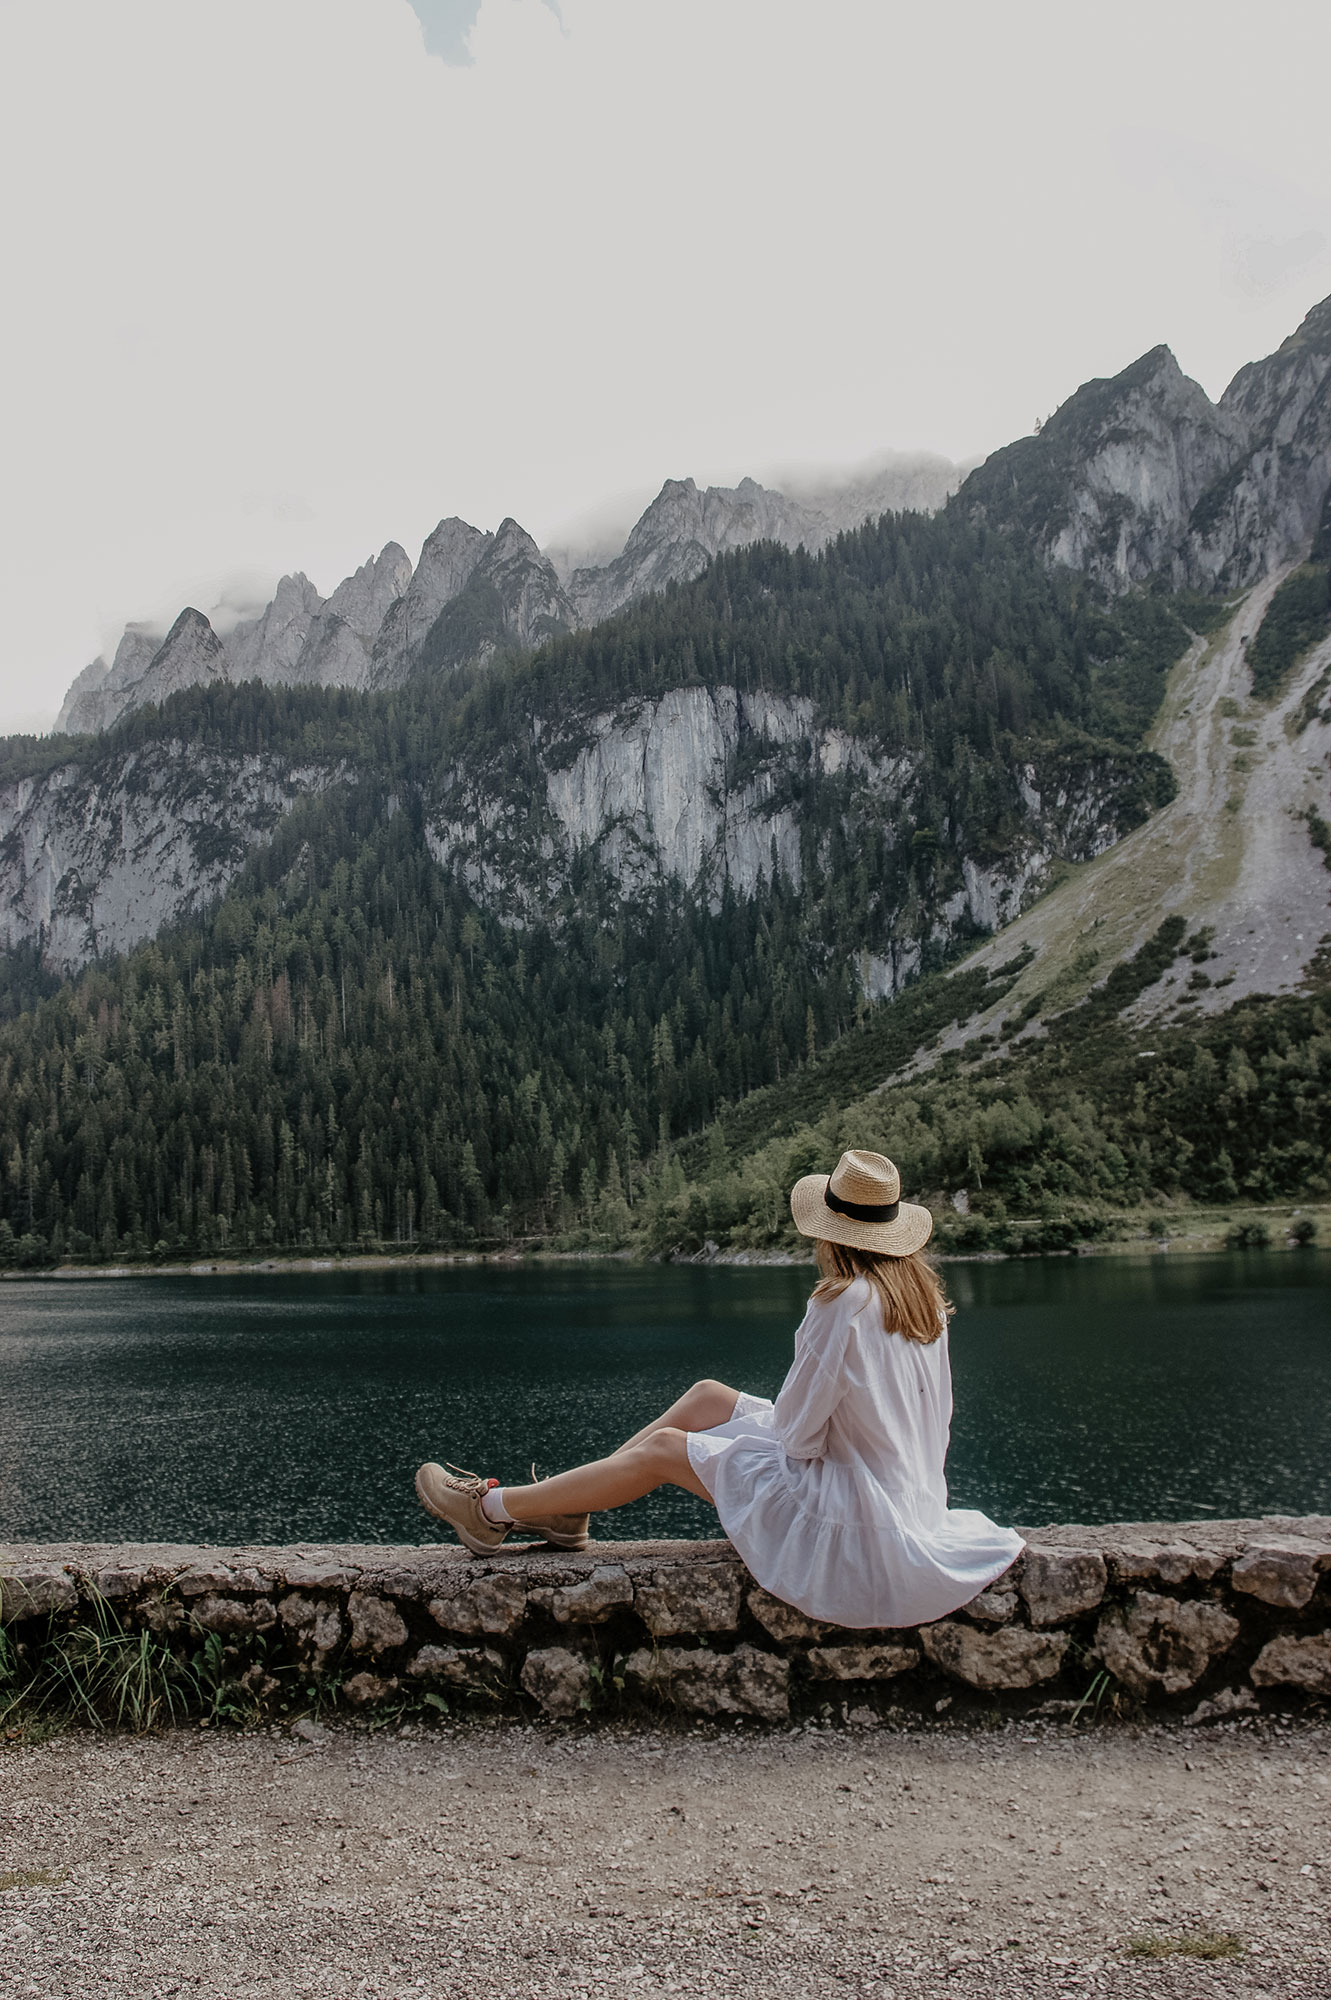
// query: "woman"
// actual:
[[834, 1495]]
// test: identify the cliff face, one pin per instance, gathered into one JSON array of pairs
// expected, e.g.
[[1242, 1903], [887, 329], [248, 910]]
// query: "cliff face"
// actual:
[[709, 786], [94, 862], [1143, 476], [712, 786]]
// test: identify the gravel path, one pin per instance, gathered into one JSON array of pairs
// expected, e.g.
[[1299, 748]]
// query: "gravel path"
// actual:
[[541, 1865]]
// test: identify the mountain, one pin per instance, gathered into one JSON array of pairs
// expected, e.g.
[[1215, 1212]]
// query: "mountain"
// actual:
[[386, 623], [940, 833], [1142, 476]]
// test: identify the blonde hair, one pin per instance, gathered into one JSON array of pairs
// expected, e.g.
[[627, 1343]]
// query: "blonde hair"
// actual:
[[909, 1288]]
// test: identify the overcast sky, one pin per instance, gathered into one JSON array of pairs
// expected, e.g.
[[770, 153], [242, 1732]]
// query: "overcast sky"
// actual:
[[287, 278]]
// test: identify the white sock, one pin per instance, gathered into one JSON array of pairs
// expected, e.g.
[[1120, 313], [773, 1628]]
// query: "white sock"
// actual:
[[493, 1508]]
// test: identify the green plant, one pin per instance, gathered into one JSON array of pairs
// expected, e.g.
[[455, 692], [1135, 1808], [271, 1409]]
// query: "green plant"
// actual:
[[99, 1673], [1303, 1232], [1248, 1236], [1298, 616], [1187, 1944], [1095, 1696]]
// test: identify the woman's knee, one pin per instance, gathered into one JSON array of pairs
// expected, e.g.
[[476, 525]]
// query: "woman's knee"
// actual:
[[665, 1449], [710, 1401]]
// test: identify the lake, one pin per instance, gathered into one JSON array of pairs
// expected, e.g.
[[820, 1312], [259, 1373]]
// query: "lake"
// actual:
[[274, 1408]]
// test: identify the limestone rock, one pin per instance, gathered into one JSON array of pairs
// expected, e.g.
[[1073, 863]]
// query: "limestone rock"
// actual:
[[35, 1593], [861, 1663], [1283, 1575], [319, 1575], [114, 1582], [1142, 475], [997, 1605], [459, 1666], [1156, 1642], [366, 1687], [1291, 1660], [745, 1682], [190, 654], [306, 1730], [785, 1624], [1010, 1657], [268, 648], [1059, 1583], [448, 558], [691, 1597], [214, 1613], [495, 1605], [1169, 1563], [376, 1625], [1227, 1702], [202, 1578], [559, 1680], [701, 783], [685, 526], [315, 1622], [341, 636], [512, 598], [101, 693], [92, 861], [590, 1602], [678, 535]]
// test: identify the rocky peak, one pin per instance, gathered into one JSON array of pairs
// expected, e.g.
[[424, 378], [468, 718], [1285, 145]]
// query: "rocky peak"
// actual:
[[511, 598], [448, 557], [1268, 509], [268, 647], [1109, 483], [362, 600], [535, 605], [678, 535], [190, 653], [1141, 475], [341, 636], [102, 692]]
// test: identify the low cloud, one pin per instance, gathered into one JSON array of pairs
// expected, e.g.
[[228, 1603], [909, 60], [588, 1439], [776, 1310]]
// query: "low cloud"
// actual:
[[446, 27]]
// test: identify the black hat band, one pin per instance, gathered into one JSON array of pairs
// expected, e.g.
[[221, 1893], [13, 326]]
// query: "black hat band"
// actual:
[[861, 1211]]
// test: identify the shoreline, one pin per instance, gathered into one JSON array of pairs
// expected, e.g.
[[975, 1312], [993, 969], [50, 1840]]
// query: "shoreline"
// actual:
[[1171, 1233]]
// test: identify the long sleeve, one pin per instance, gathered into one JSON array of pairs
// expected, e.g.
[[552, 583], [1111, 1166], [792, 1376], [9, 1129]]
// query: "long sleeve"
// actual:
[[816, 1382]]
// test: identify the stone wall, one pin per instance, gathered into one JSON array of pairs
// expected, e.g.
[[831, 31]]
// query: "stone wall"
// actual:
[[1200, 1619]]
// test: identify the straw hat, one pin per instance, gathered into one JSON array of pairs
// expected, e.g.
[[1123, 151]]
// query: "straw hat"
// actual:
[[860, 1204]]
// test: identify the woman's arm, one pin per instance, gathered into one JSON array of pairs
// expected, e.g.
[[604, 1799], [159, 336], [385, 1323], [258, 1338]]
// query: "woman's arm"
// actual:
[[816, 1382]]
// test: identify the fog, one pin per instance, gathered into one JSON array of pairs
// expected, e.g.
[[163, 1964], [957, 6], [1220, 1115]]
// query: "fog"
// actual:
[[283, 282]]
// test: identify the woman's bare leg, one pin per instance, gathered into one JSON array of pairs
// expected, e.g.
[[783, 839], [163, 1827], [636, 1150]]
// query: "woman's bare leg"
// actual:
[[700, 1408], [658, 1458]]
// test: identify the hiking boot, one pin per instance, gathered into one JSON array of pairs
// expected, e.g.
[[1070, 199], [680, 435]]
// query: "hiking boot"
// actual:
[[455, 1497], [562, 1531]]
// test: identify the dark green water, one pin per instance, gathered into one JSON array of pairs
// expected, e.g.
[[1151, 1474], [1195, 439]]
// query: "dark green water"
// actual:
[[281, 1408]]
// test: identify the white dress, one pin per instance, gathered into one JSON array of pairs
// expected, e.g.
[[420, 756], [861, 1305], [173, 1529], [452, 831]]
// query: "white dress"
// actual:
[[834, 1495]]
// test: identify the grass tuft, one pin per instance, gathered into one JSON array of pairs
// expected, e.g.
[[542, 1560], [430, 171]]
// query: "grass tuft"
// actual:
[[1187, 1944], [31, 1878]]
